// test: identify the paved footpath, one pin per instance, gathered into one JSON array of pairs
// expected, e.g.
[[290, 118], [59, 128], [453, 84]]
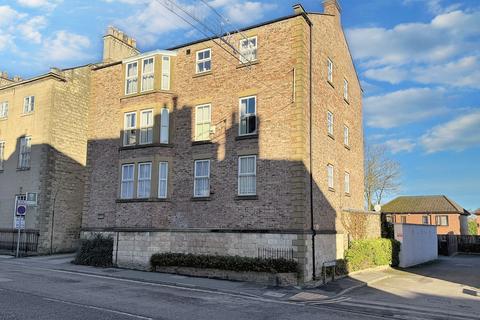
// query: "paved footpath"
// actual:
[[52, 288]]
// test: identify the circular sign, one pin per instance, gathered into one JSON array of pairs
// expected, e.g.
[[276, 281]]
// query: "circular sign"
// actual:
[[21, 210]]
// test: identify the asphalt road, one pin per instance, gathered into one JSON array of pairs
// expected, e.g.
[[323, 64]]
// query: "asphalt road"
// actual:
[[31, 292], [50, 288]]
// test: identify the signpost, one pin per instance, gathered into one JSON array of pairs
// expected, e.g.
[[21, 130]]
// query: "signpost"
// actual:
[[20, 212]]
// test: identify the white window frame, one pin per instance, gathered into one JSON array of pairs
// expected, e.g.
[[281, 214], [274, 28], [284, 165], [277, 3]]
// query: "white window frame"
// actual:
[[146, 75], [130, 181], [203, 61], [202, 121], [438, 220], [331, 176], [196, 177], [330, 70], [133, 77], [248, 54], [129, 130], [166, 73], [247, 174], [330, 123], [346, 136], [164, 126], [25, 152], [3, 109], [146, 128], [428, 219], [247, 115], [144, 179], [347, 182], [162, 179], [345, 89], [28, 104], [2, 154]]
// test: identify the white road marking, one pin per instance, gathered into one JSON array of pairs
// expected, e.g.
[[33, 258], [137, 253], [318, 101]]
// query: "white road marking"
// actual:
[[136, 316]]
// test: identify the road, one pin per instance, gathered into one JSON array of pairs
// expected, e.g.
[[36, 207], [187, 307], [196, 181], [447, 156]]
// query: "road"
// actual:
[[31, 292], [30, 289]]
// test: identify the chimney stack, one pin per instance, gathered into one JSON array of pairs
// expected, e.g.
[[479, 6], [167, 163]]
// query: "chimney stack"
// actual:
[[118, 46], [332, 7], [17, 79]]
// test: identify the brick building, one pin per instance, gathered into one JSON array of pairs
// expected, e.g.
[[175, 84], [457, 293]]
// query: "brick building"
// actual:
[[446, 214], [43, 139], [193, 150]]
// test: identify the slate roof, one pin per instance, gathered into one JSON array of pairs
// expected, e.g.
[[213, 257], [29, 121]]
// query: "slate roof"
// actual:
[[423, 204]]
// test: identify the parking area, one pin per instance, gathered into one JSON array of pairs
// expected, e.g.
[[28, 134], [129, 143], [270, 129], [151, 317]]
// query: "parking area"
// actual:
[[451, 284]]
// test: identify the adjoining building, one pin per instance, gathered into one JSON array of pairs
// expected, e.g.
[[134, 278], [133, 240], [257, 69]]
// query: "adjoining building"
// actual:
[[43, 126], [43, 149], [439, 210], [191, 150]]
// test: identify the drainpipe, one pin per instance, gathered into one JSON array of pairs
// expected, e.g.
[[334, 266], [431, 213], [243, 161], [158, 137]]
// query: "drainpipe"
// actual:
[[314, 275]]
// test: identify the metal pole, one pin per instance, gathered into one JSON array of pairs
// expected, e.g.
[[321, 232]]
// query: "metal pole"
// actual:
[[18, 236]]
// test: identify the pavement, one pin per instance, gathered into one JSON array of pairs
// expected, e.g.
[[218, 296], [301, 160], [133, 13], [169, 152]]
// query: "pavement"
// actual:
[[445, 289]]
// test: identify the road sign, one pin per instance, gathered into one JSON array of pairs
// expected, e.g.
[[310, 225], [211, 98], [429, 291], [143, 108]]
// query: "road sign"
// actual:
[[21, 208], [20, 223]]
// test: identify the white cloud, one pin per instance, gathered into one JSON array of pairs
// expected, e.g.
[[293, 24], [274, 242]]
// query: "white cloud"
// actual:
[[31, 28], [390, 74], [41, 4], [150, 20], [63, 46], [400, 145], [458, 134], [403, 107], [446, 35]]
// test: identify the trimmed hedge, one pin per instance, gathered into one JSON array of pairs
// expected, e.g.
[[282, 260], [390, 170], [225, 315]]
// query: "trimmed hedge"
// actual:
[[96, 252], [232, 263], [364, 254]]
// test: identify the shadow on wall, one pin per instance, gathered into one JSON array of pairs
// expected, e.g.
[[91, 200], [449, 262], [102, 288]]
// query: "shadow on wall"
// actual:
[[281, 203], [58, 181]]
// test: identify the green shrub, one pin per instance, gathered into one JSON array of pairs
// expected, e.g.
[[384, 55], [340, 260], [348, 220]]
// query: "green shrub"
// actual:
[[232, 263], [364, 254], [96, 252]]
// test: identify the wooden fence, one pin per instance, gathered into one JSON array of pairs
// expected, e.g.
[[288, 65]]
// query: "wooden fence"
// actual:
[[449, 244]]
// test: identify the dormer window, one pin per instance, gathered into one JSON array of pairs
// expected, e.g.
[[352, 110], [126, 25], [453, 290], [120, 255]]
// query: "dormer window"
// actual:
[[131, 78]]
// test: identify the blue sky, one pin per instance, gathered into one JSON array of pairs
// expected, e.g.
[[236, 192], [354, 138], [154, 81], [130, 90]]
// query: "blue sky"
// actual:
[[418, 60]]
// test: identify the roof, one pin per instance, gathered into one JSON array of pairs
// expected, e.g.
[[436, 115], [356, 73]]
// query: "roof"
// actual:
[[423, 204]]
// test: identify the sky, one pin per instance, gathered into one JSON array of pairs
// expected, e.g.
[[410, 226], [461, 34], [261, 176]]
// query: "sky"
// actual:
[[418, 62]]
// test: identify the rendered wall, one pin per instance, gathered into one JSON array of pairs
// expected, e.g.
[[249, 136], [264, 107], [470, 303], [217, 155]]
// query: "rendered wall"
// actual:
[[419, 243]]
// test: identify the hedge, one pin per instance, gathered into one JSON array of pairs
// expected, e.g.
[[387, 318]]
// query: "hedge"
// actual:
[[364, 254], [232, 263], [96, 252]]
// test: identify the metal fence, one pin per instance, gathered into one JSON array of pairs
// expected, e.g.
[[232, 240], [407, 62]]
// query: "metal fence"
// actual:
[[28, 240], [275, 253]]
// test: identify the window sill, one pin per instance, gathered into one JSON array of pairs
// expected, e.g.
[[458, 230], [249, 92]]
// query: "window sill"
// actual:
[[136, 200], [331, 83], [347, 194], [143, 93], [346, 147], [201, 142], [206, 73], [27, 114], [331, 189], [331, 136], [201, 198], [247, 136], [252, 197], [143, 146], [3, 118], [346, 100], [23, 169], [248, 64]]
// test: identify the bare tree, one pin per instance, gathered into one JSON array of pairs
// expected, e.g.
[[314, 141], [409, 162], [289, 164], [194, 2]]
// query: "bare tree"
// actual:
[[382, 175]]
